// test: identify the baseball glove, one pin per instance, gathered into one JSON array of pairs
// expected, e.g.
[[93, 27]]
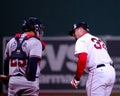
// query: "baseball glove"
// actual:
[[4, 79]]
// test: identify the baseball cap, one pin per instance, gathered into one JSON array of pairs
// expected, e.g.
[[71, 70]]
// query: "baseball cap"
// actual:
[[77, 25]]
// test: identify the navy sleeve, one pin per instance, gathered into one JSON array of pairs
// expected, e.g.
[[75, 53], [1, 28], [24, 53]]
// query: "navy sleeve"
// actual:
[[32, 68]]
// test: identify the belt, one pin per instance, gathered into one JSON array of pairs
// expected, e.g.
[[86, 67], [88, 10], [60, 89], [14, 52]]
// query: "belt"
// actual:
[[103, 65]]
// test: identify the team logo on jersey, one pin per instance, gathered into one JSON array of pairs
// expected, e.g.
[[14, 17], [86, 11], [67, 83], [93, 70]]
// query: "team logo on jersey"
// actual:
[[13, 45], [24, 45]]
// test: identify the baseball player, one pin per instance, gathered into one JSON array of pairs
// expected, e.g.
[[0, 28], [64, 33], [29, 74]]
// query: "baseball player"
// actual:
[[22, 58], [93, 58]]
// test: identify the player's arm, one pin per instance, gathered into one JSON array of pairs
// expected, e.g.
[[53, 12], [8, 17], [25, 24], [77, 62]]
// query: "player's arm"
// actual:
[[81, 64], [34, 58], [32, 68]]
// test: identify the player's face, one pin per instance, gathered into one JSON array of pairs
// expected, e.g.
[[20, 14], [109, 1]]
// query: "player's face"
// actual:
[[78, 32]]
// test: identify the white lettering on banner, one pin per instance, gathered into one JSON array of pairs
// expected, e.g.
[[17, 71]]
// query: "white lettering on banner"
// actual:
[[59, 64], [56, 61], [55, 79], [116, 59], [71, 65]]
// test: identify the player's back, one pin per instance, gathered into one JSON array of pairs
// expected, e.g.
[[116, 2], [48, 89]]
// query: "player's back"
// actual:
[[97, 51], [19, 52]]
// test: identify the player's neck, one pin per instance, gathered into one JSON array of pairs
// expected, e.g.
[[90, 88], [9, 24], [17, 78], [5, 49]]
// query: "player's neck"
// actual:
[[85, 32]]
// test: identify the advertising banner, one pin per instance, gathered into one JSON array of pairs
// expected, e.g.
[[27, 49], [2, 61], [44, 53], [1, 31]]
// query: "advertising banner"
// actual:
[[58, 64]]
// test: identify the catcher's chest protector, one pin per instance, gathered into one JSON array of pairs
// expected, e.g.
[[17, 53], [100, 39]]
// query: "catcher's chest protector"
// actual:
[[19, 53]]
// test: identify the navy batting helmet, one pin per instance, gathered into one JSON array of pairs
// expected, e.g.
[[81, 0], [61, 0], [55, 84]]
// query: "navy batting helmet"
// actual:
[[77, 25], [33, 24]]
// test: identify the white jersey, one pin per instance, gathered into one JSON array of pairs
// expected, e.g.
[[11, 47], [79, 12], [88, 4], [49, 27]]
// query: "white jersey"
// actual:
[[31, 47], [96, 50]]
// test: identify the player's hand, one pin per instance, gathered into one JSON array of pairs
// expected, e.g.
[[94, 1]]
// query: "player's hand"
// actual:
[[74, 83], [4, 79]]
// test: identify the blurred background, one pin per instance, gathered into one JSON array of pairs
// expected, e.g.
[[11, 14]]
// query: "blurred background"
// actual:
[[58, 16]]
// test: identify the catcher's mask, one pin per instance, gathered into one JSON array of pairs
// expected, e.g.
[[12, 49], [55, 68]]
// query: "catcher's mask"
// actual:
[[77, 25], [33, 24]]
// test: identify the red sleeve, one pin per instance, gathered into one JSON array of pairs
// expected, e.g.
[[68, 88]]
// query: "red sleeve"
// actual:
[[82, 58]]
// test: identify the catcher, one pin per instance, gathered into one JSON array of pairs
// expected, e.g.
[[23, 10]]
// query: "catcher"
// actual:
[[22, 59]]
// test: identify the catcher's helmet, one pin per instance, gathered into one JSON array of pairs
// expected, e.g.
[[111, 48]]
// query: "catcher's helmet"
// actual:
[[77, 25], [33, 24]]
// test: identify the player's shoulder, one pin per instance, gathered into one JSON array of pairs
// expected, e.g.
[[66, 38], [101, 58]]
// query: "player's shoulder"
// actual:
[[33, 41], [89, 36], [85, 37], [11, 40]]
